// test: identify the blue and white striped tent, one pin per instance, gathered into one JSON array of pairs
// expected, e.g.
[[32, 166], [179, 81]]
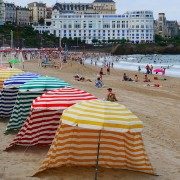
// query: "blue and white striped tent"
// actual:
[[18, 80], [10, 90]]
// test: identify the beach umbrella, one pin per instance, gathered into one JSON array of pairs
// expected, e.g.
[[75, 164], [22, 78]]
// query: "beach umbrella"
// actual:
[[14, 61], [98, 133], [44, 119], [27, 93], [7, 73], [10, 91]]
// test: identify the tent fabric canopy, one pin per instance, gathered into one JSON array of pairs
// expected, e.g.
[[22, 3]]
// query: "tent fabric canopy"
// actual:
[[75, 145], [44, 119], [60, 99], [43, 83], [100, 114], [27, 93], [7, 101], [7, 73], [20, 79], [10, 91]]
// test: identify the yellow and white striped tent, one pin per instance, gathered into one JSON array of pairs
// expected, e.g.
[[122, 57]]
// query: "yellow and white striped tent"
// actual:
[[7, 73], [89, 126]]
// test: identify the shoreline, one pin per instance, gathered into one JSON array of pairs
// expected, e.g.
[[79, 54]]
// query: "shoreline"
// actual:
[[131, 62], [157, 107]]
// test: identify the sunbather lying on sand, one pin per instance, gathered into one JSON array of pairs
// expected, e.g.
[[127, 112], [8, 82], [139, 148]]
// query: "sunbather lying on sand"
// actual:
[[153, 85], [81, 78]]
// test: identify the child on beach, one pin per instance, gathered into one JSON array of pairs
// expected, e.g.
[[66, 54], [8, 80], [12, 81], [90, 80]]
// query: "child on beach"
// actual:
[[146, 79], [99, 83], [136, 79], [108, 70], [111, 96]]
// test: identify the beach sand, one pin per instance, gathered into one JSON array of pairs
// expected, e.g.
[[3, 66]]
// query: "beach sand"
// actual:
[[157, 107]]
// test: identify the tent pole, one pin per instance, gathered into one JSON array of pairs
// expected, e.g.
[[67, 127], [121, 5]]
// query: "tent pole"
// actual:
[[97, 159]]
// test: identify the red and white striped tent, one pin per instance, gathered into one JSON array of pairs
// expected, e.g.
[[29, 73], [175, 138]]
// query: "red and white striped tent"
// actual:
[[44, 119]]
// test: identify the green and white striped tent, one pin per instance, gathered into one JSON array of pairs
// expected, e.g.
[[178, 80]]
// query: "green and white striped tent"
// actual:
[[27, 93]]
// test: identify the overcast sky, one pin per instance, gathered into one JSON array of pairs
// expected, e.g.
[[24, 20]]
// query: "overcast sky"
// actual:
[[170, 7]]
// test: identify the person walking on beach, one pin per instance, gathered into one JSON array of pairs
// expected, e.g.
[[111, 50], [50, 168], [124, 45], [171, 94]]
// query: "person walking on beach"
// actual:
[[91, 62], [151, 69], [164, 71], [139, 69], [111, 96], [95, 63], [101, 73], [147, 69], [112, 64], [108, 70]]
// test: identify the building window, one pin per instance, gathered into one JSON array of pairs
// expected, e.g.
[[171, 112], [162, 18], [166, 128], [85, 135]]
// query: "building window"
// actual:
[[90, 25], [113, 24]]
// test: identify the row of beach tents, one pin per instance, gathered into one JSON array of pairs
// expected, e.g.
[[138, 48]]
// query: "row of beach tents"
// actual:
[[80, 129]]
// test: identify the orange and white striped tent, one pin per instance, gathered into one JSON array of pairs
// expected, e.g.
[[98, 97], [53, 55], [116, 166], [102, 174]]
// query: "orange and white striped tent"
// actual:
[[102, 127]]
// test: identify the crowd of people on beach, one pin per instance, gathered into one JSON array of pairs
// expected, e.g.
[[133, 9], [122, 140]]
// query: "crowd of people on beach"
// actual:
[[105, 69]]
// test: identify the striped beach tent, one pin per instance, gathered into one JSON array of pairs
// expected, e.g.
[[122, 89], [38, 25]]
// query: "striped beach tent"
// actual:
[[27, 93], [10, 91], [20, 79], [98, 134], [44, 119], [7, 73]]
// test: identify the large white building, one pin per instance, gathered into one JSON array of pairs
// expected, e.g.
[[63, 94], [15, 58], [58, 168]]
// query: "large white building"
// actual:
[[135, 26]]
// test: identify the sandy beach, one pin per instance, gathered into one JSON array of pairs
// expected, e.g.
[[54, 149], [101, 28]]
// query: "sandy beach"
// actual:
[[157, 107]]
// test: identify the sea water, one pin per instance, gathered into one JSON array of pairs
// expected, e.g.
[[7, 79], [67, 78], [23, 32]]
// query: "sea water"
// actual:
[[132, 62]]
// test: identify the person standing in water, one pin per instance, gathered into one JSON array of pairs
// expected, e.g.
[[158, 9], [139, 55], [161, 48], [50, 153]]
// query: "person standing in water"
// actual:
[[151, 69]]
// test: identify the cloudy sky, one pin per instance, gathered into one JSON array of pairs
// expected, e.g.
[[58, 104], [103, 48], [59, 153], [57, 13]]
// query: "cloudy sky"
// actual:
[[170, 7]]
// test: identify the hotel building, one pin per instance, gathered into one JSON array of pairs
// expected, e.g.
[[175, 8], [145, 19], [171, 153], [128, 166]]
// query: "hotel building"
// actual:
[[23, 16], [135, 26], [96, 7], [38, 11]]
